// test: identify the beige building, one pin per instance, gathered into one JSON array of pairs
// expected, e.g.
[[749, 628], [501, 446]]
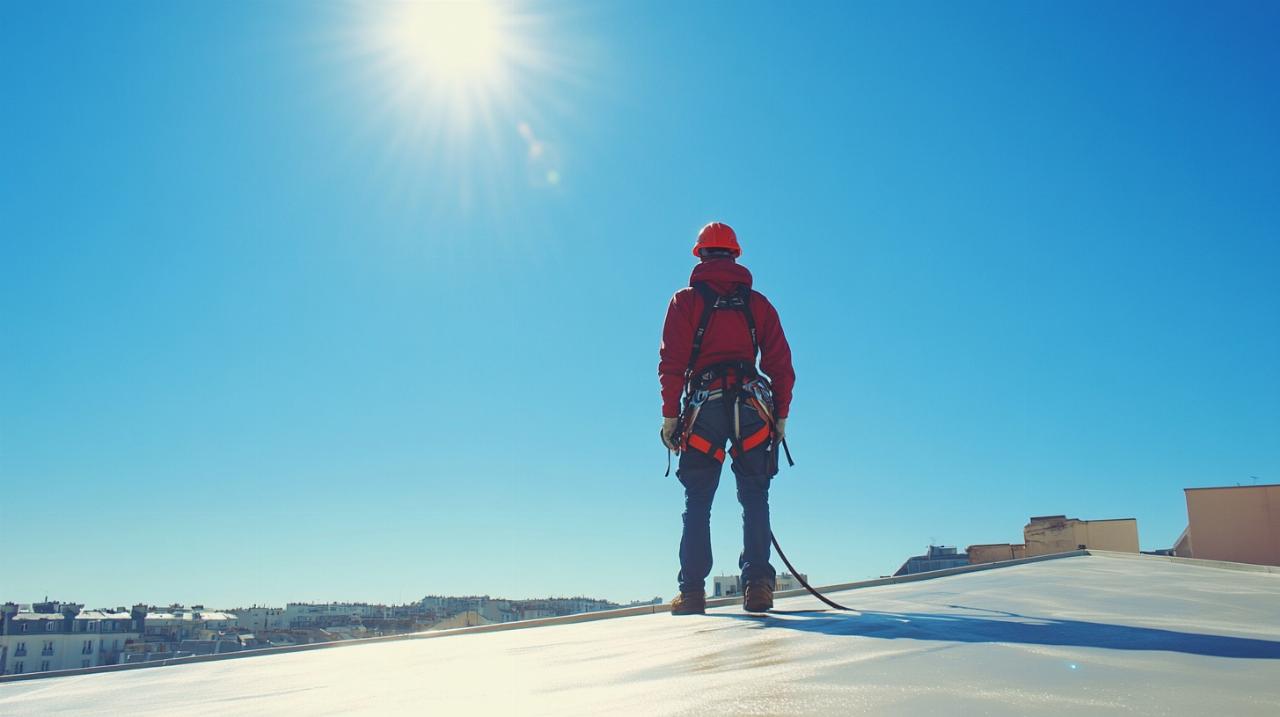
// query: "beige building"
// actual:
[[1236, 523], [1049, 534], [995, 552]]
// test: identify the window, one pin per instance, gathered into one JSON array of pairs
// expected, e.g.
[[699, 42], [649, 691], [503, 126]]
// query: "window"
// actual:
[[88, 648], [44, 665], [50, 626], [47, 649], [21, 649], [84, 663], [25, 625], [17, 667], [115, 645]]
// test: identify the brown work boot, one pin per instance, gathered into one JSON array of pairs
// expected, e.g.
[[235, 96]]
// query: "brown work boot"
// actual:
[[689, 603], [758, 597]]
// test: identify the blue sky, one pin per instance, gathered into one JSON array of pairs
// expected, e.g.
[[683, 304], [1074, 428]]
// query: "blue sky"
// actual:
[[286, 316]]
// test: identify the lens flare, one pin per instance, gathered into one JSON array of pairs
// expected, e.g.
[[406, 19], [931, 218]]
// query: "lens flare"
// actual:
[[451, 87]]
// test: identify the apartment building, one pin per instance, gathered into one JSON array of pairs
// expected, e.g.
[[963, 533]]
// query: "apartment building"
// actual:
[[52, 636]]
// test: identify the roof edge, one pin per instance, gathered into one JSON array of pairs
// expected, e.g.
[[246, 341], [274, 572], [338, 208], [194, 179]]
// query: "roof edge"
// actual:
[[1199, 562], [1233, 487], [541, 622]]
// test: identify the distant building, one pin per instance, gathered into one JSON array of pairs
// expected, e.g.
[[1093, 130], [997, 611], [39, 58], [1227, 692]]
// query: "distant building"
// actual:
[[995, 552], [260, 619], [725, 585], [730, 585], [1240, 524], [443, 605], [938, 557], [576, 605], [303, 615], [470, 618], [500, 610], [177, 623], [63, 636], [556, 607], [1050, 534]]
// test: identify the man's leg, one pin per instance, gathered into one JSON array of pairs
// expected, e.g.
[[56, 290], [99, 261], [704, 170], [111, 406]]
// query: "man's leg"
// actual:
[[753, 494], [754, 470], [700, 475]]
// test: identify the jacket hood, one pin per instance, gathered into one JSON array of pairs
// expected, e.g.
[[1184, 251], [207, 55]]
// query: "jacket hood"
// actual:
[[723, 275]]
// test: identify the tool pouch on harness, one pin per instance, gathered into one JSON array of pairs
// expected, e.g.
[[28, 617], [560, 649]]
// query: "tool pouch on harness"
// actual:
[[733, 377]]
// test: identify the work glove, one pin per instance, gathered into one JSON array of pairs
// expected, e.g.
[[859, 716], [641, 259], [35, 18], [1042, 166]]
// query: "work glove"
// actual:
[[780, 427], [668, 434]]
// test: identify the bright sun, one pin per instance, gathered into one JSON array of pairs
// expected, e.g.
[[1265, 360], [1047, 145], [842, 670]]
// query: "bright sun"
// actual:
[[447, 43], [461, 85]]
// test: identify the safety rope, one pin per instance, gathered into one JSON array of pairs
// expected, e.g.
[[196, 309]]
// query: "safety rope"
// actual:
[[804, 582]]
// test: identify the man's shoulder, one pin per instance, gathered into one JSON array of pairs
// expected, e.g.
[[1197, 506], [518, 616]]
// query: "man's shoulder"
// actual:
[[684, 293], [681, 301]]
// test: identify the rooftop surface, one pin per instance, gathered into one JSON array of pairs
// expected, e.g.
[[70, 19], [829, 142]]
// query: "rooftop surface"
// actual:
[[1095, 633]]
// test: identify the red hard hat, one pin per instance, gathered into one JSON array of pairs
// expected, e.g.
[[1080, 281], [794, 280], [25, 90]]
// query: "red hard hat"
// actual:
[[717, 235]]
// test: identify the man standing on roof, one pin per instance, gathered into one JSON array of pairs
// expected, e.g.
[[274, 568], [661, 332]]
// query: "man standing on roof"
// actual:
[[713, 330]]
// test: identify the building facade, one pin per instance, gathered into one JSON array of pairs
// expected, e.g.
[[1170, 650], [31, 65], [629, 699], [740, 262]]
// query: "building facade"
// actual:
[[260, 619], [298, 615], [1240, 524], [995, 552], [63, 636], [176, 623], [1050, 534]]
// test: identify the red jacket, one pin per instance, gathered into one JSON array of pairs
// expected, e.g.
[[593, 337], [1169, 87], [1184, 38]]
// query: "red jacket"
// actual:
[[727, 337]]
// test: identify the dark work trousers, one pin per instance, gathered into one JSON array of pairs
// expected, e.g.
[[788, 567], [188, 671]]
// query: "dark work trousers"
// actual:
[[699, 472]]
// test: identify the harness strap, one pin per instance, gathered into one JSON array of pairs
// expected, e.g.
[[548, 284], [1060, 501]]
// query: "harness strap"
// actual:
[[751, 322], [739, 300], [752, 441], [701, 444], [708, 307]]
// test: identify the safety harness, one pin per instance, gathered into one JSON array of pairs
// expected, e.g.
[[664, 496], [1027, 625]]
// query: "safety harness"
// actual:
[[739, 382]]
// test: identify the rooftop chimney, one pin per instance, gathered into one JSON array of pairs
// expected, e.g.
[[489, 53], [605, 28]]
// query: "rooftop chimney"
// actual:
[[7, 612], [139, 616], [69, 612]]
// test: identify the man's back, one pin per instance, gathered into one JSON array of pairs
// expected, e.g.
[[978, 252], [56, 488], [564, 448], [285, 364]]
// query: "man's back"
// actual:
[[728, 337]]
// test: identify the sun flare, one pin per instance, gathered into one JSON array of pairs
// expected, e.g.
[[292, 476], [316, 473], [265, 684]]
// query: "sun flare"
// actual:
[[446, 43], [455, 91]]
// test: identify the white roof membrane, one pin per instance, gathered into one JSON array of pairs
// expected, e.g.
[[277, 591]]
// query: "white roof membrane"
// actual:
[[1094, 633]]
